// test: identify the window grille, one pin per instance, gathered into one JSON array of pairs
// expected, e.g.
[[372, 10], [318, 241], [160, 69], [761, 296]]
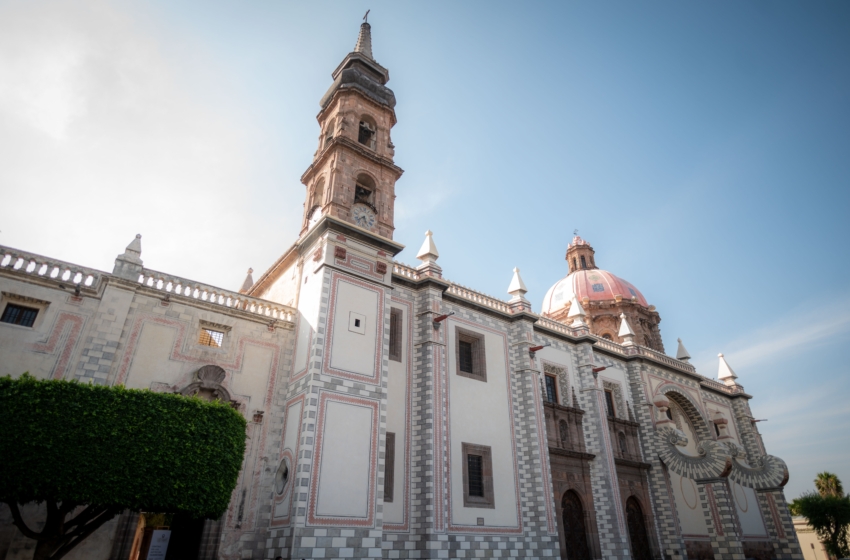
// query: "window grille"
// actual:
[[209, 337], [395, 334], [19, 315], [475, 466], [470, 355], [551, 391]]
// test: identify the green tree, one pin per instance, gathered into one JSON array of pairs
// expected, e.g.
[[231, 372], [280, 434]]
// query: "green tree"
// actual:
[[92, 452], [828, 513], [828, 484]]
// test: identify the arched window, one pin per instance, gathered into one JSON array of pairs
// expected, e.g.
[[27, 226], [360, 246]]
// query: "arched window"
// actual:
[[319, 192], [574, 264], [607, 336], [575, 534], [621, 438], [583, 262], [329, 135], [564, 432], [367, 132], [364, 190]]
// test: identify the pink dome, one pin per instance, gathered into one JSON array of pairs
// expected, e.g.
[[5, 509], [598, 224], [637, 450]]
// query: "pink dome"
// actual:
[[593, 284]]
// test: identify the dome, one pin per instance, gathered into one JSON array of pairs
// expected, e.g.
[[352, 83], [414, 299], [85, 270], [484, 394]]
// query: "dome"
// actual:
[[594, 284]]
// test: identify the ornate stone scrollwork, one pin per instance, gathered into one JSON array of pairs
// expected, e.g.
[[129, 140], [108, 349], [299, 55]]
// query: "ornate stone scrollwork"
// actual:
[[713, 460], [208, 384], [769, 472]]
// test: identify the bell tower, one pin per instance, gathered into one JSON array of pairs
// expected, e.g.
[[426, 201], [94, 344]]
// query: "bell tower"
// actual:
[[352, 177]]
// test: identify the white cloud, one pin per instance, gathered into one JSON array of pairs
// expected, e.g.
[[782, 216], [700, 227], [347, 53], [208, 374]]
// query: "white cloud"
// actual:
[[786, 337], [105, 134]]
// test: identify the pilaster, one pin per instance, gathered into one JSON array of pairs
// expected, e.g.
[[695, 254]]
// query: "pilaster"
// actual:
[[610, 517], [780, 526], [721, 518], [666, 521]]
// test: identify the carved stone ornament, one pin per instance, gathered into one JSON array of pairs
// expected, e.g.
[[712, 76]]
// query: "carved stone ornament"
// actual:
[[719, 460], [208, 384]]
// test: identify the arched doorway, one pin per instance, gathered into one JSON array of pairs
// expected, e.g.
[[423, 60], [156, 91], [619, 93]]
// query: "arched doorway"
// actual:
[[637, 530], [575, 533]]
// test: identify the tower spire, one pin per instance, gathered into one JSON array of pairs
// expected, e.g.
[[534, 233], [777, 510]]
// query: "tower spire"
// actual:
[[364, 40]]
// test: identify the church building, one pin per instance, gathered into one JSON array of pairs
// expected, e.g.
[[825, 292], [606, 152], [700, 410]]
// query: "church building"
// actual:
[[393, 413]]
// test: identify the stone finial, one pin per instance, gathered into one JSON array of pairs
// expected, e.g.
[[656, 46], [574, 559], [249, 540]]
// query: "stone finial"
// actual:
[[722, 425], [725, 373], [428, 252], [129, 264], [133, 252], [682, 352], [517, 287], [626, 332], [364, 41], [249, 281], [577, 314]]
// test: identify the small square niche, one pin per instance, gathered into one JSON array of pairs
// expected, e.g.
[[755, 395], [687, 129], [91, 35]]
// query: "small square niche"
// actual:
[[357, 323]]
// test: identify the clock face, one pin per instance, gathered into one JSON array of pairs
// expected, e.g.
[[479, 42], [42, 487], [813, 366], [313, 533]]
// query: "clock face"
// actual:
[[363, 216], [314, 217]]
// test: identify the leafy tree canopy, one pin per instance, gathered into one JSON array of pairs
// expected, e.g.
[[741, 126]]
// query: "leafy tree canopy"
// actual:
[[110, 449], [828, 513]]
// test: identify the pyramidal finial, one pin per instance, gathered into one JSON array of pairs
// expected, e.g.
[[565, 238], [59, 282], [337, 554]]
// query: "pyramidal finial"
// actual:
[[682, 352], [364, 41], [517, 287], [725, 373], [428, 252], [577, 313], [249, 281], [133, 252], [626, 333], [575, 399]]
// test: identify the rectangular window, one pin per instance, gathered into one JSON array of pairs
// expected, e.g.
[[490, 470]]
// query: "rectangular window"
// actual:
[[551, 391], [609, 403], [19, 315], [389, 468], [209, 337], [478, 476], [395, 334], [469, 354]]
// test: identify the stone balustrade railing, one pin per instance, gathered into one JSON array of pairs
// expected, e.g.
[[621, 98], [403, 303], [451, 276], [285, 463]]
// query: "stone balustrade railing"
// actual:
[[478, 297], [718, 386], [216, 296], [405, 271], [47, 268], [556, 326]]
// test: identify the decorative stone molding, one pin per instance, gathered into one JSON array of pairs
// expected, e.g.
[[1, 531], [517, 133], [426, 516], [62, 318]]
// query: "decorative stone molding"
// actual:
[[719, 460], [209, 382]]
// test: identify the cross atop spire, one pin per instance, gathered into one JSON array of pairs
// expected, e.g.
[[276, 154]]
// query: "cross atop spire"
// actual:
[[364, 40]]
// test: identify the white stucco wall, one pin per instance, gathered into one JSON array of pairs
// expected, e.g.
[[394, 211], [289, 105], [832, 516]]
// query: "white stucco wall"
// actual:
[[480, 414]]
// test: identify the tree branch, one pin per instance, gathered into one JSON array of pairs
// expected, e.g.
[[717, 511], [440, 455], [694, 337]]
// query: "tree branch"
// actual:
[[84, 531], [21, 524]]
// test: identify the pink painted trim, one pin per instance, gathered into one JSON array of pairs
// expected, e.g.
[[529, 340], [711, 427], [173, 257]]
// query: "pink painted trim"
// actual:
[[350, 263], [296, 375], [375, 378], [331, 521], [405, 524], [285, 519], [548, 489], [64, 321], [609, 458], [715, 513], [777, 520]]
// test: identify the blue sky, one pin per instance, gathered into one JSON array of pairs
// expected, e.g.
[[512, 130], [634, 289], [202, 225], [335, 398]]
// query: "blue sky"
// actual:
[[700, 147]]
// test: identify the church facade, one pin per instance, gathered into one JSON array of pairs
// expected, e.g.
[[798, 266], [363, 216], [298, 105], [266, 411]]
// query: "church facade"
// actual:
[[395, 414]]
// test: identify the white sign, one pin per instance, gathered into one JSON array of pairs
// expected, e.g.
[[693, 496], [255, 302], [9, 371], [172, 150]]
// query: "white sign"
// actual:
[[159, 544]]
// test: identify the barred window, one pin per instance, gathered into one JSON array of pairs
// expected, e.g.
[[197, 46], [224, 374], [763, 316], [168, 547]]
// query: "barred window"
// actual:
[[469, 354], [478, 476], [396, 317], [389, 468], [551, 391], [210, 337], [19, 315], [475, 466]]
